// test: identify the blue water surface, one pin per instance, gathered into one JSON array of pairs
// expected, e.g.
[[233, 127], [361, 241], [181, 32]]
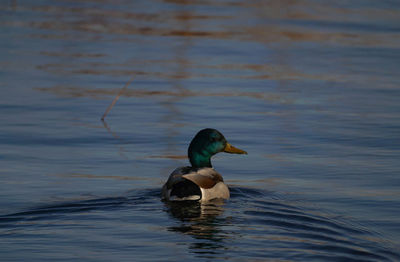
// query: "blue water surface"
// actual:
[[310, 89]]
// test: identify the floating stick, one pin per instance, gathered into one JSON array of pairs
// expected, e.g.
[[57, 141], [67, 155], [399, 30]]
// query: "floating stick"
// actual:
[[116, 98]]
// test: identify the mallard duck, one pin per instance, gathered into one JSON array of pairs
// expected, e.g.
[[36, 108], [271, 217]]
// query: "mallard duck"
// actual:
[[200, 182]]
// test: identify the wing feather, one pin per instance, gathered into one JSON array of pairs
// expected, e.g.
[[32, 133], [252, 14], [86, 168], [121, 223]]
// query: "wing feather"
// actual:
[[204, 177]]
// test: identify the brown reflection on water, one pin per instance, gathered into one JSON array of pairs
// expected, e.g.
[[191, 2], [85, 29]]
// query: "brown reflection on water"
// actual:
[[118, 22], [278, 25], [74, 55], [281, 21], [279, 71], [124, 29], [278, 34], [318, 22], [70, 91]]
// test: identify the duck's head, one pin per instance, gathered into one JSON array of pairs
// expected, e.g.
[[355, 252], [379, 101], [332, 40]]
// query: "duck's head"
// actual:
[[207, 143]]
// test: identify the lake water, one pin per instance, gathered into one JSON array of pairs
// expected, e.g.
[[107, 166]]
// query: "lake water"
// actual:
[[310, 89]]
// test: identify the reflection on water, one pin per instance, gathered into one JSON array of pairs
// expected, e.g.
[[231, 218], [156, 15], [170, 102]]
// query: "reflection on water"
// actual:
[[203, 222], [310, 88], [175, 95]]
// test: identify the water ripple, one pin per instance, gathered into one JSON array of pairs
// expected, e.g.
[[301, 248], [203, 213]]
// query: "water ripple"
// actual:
[[252, 224], [292, 226]]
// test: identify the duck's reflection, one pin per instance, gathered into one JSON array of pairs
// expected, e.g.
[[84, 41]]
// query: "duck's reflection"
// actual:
[[203, 222]]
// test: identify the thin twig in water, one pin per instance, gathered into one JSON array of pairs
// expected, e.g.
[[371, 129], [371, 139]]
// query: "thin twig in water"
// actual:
[[121, 148], [116, 98]]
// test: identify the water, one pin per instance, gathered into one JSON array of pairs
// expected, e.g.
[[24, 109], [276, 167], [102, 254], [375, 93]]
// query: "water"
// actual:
[[309, 89]]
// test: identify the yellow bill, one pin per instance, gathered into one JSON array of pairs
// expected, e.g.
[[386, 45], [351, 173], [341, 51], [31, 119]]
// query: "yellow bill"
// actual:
[[233, 150]]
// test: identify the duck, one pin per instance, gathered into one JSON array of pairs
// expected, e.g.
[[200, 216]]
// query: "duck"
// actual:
[[200, 181]]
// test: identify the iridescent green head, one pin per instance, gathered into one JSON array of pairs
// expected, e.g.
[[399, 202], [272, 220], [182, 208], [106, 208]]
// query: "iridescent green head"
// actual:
[[207, 143]]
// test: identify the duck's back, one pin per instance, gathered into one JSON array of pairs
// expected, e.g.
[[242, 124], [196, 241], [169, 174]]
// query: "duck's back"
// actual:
[[188, 183]]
